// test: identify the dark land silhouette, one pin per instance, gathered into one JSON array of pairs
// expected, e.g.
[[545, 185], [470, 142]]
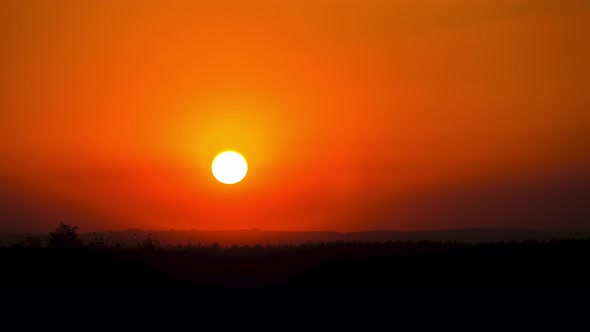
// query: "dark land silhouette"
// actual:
[[263, 237], [62, 277]]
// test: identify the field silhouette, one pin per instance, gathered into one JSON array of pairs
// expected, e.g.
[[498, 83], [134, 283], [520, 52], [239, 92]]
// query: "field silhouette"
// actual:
[[62, 278]]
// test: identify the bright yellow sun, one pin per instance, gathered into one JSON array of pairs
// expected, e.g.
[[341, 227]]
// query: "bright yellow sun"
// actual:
[[229, 167]]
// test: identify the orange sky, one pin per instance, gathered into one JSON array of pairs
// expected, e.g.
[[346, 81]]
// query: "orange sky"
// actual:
[[353, 115]]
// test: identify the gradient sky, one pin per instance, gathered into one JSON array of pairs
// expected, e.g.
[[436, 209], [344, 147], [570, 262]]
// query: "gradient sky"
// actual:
[[353, 115]]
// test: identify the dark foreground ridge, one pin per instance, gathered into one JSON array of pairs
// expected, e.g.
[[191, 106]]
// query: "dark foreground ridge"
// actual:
[[414, 282]]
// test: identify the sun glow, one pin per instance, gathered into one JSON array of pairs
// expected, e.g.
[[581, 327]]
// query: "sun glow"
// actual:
[[229, 167]]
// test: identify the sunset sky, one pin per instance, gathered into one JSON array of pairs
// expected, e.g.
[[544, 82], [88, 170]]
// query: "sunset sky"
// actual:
[[352, 114]]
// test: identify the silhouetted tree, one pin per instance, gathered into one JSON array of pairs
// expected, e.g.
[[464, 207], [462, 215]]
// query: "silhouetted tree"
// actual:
[[64, 237]]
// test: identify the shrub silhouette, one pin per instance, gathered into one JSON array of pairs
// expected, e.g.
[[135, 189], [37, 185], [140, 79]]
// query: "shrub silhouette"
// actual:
[[149, 243], [64, 237], [99, 241], [33, 242]]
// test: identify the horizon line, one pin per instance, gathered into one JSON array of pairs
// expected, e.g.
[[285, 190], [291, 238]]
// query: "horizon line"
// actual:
[[322, 231]]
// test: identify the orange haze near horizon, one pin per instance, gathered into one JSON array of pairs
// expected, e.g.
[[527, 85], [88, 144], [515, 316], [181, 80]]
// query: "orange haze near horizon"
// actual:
[[352, 115]]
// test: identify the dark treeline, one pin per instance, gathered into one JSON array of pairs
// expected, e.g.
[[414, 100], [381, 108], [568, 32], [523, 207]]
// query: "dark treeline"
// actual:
[[63, 260], [411, 280]]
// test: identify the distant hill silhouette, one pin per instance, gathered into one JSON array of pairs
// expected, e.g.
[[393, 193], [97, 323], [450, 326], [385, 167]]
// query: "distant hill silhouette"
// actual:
[[255, 236]]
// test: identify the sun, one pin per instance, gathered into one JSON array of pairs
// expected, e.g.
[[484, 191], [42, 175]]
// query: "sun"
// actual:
[[229, 167]]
